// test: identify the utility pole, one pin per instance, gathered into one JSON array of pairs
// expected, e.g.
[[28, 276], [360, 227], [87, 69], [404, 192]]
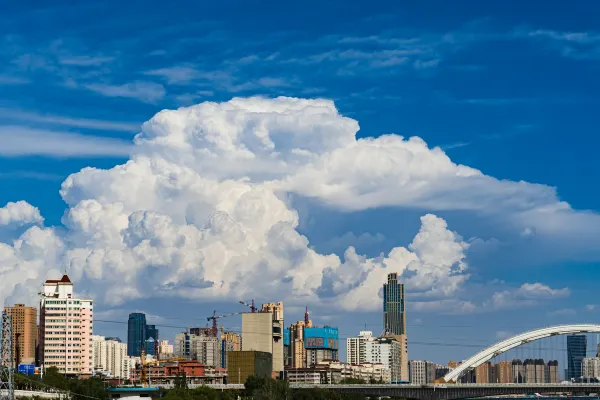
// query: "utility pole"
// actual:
[[7, 378]]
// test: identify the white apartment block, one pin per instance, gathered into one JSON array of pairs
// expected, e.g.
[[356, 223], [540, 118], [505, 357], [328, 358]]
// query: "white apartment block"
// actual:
[[110, 358], [385, 351], [66, 326], [356, 348]]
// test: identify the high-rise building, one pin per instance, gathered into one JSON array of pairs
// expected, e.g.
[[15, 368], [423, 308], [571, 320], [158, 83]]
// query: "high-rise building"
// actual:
[[394, 318], [517, 371], [356, 348], [386, 351], [152, 333], [576, 352], [263, 331], [552, 372], [182, 346], [287, 349], [534, 371], [24, 331], [483, 373], [278, 326], [230, 341], [591, 367], [321, 344], [394, 314], [421, 372], [110, 357], [150, 346], [136, 334], [206, 349], [65, 329], [166, 350], [297, 351], [503, 372]]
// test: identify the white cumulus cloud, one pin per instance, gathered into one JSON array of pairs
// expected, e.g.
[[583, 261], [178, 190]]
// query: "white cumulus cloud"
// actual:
[[204, 209], [20, 213]]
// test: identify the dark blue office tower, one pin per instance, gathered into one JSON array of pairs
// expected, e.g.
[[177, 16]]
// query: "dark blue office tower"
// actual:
[[576, 351], [136, 334]]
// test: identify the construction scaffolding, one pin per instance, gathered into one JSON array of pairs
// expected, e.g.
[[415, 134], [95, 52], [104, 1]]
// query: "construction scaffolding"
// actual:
[[7, 378]]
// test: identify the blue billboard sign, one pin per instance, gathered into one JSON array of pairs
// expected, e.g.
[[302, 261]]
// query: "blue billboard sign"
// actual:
[[325, 337], [27, 369]]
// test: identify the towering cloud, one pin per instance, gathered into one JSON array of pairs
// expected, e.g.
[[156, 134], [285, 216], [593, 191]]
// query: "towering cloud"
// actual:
[[204, 208]]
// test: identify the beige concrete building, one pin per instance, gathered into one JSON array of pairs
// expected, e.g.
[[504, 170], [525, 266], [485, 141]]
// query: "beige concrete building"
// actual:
[[263, 331], [534, 371], [165, 350], [109, 358], [297, 350], [234, 339], [65, 329], [403, 369], [552, 372], [24, 331]]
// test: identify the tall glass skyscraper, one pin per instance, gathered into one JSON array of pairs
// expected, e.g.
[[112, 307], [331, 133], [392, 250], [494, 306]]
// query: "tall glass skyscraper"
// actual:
[[394, 315], [576, 351], [136, 334], [151, 333]]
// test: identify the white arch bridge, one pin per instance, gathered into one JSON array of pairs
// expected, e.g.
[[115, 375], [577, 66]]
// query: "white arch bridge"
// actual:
[[515, 341]]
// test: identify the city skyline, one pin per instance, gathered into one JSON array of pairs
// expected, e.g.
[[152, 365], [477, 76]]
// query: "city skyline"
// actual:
[[193, 157], [262, 333]]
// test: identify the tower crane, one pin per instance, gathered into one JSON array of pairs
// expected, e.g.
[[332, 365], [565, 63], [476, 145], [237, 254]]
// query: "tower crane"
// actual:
[[251, 305], [214, 317]]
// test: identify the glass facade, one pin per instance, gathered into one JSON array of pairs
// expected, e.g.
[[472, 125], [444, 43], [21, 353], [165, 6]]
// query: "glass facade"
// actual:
[[136, 334], [394, 316], [151, 333], [576, 351]]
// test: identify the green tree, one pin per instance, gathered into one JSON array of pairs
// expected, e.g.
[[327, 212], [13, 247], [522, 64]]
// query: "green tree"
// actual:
[[254, 383], [54, 378], [92, 387], [273, 390], [181, 381]]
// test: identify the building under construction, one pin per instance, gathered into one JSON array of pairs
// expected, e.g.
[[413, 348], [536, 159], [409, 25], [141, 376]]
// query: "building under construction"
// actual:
[[262, 331]]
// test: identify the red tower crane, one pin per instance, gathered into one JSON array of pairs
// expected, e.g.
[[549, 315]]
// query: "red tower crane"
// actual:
[[214, 317], [251, 305]]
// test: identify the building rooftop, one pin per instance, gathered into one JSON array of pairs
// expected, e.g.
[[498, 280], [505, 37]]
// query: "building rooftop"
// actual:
[[64, 279]]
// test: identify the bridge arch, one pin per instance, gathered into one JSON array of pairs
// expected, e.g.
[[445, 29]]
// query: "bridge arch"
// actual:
[[505, 345]]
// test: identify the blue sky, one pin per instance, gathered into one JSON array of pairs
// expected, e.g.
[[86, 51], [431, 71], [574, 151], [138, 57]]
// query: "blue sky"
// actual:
[[508, 88]]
